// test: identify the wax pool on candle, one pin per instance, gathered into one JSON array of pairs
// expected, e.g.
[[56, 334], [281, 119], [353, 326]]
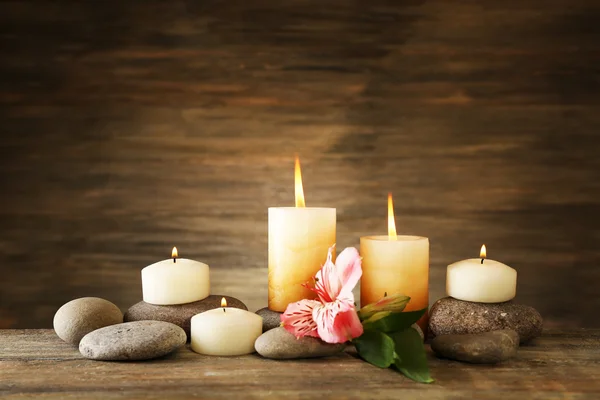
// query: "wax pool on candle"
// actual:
[[299, 239], [175, 281], [225, 331], [395, 264], [481, 280]]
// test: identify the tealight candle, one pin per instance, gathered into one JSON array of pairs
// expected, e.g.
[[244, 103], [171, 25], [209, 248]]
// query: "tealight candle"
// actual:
[[395, 264], [175, 281], [225, 331], [299, 238], [481, 280]]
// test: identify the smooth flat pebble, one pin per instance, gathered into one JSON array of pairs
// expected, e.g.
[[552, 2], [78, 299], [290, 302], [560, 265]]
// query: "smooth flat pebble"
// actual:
[[180, 314], [79, 317], [279, 344], [449, 316], [480, 348], [129, 341]]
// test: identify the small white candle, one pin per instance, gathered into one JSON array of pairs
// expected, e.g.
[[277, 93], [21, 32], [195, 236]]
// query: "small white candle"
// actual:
[[175, 281], [480, 280], [225, 331]]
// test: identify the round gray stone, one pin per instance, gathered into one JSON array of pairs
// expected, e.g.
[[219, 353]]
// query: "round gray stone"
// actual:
[[271, 319], [79, 317], [180, 314], [139, 340], [279, 344], [481, 348], [449, 316]]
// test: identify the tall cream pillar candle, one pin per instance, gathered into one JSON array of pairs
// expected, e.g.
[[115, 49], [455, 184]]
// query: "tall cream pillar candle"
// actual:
[[395, 264], [299, 238]]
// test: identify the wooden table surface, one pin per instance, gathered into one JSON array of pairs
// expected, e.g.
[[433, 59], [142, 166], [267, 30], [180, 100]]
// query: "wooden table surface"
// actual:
[[35, 363]]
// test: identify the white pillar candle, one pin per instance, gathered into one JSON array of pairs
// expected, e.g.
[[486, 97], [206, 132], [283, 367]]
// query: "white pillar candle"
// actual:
[[299, 238], [225, 331], [395, 264], [481, 280], [175, 281]]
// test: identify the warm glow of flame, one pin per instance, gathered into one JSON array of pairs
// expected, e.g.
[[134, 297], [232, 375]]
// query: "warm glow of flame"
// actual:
[[174, 253], [391, 221], [483, 252], [298, 184], [223, 302]]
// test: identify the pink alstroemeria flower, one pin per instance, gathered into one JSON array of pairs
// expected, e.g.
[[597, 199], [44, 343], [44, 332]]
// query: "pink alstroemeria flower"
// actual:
[[332, 317]]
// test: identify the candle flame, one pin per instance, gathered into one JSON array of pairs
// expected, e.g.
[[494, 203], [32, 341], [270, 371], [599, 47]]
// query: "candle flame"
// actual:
[[298, 184], [391, 221], [223, 302], [483, 252], [174, 253]]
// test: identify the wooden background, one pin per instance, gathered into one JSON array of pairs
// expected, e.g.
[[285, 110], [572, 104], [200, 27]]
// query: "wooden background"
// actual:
[[130, 127]]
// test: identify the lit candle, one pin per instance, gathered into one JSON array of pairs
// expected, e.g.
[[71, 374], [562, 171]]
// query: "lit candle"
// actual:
[[299, 238], [225, 331], [175, 281], [481, 280], [395, 264]]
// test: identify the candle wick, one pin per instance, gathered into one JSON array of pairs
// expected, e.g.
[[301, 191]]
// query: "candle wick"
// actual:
[[223, 309], [482, 260], [174, 259]]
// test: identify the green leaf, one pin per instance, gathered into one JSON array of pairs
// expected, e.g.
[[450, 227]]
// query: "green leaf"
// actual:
[[394, 322], [410, 356], [376, 348]]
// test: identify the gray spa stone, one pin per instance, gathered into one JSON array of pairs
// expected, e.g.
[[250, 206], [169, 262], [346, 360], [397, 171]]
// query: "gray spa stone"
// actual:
[[449, 316], [271, 319], [480, 348], [279, 344], [79, 317], [139, 340]]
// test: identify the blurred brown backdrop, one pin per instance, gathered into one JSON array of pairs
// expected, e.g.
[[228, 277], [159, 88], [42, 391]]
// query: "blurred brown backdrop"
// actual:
[[130, 127]]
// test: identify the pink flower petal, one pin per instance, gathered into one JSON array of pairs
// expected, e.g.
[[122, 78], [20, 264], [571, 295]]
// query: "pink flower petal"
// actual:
[[298, 318], [337, 322], [349, 268], [349, 323], [333, 317], [327, 282]]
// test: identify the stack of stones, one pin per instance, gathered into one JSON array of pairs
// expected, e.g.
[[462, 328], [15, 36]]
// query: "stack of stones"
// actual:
[[482, 333], [96, 326], [146, 330], [150, 331]]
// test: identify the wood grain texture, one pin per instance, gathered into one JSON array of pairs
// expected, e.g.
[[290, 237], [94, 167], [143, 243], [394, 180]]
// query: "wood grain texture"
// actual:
[[130, 127], [37, 364]]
